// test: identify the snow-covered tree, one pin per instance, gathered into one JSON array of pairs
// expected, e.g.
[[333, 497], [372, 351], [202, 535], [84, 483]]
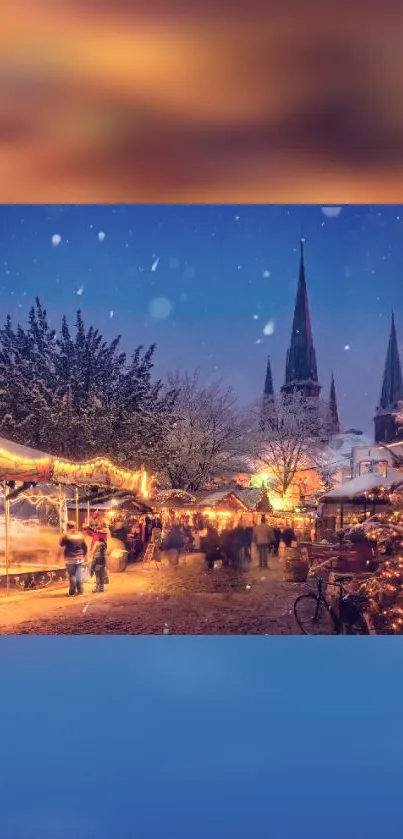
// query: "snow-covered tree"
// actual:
[[77, 395], [288, 436], [208, 436]]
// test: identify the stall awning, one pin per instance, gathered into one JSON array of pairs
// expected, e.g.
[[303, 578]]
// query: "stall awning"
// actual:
[[20, 463]]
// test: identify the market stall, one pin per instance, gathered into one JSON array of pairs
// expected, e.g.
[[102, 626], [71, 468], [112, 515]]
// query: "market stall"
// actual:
[[22, 468], [175, 506], [223, 509], [354, 502]]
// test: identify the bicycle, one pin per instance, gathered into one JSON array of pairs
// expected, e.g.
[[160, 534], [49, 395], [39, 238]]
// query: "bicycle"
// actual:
[[316, 616]]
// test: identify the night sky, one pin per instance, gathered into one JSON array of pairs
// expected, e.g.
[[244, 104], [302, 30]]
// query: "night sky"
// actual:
[[203, 282], [202, 738]]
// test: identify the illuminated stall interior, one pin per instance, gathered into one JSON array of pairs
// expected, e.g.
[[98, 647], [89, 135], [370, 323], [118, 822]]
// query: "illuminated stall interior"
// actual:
[[223, 509], [354, 502], [44, 480]]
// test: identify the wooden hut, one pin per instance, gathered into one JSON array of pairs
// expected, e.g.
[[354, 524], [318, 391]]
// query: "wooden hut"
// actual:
[[354, 502]]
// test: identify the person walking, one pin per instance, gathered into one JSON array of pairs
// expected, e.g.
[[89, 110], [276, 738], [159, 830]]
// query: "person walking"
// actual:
[[277, 540], [75, 550], [263, 537], [173, 544], [210, 545], [98, 566], [289, 537]]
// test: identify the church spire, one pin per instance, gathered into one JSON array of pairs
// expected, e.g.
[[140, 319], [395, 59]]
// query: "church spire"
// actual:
[[301, 371], [391, 392], [268, 384], [334, 422]]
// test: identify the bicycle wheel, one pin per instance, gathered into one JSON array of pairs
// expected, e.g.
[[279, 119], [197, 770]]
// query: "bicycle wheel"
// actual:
[[314, 617]]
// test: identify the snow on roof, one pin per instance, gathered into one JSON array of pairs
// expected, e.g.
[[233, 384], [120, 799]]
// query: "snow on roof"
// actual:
[[21, 451], [217, 497], [342, 445], [362, 484], [250, 496]]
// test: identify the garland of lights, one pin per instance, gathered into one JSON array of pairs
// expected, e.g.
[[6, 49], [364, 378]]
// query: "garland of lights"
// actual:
[[99, 471]]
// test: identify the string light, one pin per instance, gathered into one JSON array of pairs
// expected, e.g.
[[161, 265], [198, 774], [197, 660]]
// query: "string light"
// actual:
[[98, 471]]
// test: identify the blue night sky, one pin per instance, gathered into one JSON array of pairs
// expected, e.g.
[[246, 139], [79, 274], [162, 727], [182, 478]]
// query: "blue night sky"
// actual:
[[203, 282], [196, 737]]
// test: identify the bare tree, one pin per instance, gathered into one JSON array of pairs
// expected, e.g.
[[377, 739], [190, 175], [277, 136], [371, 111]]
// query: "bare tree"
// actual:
[[289, 435], [208, 433]]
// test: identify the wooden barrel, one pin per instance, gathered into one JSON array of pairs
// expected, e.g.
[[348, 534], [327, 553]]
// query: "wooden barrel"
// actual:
[[296, 568], [116, 560]]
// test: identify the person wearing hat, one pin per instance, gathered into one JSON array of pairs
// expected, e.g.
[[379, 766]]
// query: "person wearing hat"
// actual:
[[75, 551]]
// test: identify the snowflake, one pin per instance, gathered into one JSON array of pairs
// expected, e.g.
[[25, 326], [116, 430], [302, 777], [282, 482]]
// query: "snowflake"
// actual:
[[347, 346], [269, 328], [101, 236], [266, 274], [80, 290], [160, 308], [255, 317], [56, 239], [155, 264], [111, 314]]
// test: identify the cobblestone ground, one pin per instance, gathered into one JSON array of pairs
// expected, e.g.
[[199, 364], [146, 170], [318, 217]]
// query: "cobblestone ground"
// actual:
[[188, 599]]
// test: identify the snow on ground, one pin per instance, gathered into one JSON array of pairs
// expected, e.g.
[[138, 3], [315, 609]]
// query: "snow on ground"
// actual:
[[166, 601]]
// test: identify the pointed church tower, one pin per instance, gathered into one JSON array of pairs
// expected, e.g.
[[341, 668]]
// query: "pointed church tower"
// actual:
[[268, 384], [268, 396], [333, 413], [301, 371], [386, 430]]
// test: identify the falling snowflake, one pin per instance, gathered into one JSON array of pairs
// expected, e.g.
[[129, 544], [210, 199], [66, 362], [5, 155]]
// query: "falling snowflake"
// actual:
[[259, 341], [56, 239], [269, 328], [266, 274], [111, 314], [237, 218], [101, 236], [160, 308], [80, 290], [347, 347], [155, 264], [255, 317], [165, 629], [331, 212], [248, 587]]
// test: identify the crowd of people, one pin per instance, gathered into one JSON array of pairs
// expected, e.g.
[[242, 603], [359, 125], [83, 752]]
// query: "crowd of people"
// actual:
[[232, 546]]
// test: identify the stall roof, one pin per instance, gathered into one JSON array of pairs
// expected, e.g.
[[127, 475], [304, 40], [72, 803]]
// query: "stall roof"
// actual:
[[8, 447], [216, 498], [358, 487], [21, 463]]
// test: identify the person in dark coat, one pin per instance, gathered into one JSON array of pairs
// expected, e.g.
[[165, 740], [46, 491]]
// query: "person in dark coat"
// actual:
[[210, 545], [98, 566], [75, 551], [277, 540], [148, 526], [248, 542], [289, 537], [173, 544], [226, 547], [238, 541]]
